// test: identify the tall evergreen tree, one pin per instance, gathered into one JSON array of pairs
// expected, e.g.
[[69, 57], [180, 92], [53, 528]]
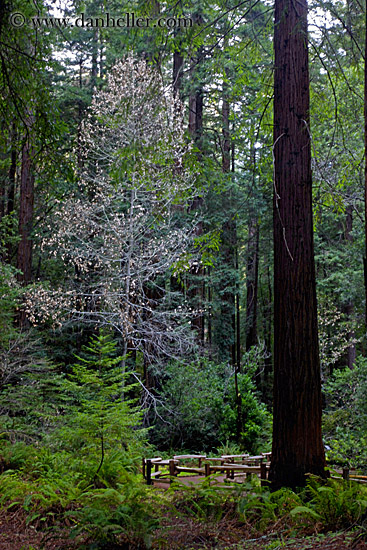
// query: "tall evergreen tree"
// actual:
[[297, 442]]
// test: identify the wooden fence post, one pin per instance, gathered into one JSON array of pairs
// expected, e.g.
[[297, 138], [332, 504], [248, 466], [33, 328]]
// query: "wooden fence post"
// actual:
[[149, 471], [263, 474], [346, 474], [172, 468]]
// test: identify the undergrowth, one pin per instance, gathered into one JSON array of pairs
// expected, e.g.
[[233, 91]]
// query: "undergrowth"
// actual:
[[84, 472]]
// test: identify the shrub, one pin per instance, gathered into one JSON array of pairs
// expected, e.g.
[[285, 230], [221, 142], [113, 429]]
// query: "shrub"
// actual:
[[345, 418], [196, 408]]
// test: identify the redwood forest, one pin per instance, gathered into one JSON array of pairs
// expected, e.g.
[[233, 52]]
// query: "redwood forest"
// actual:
[[183, 274]]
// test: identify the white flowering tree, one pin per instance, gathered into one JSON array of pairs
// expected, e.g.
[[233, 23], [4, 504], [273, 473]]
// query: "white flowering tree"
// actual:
[[126, 227]]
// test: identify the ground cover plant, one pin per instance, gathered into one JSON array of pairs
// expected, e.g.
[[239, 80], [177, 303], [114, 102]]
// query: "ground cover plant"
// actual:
[[124, 512]]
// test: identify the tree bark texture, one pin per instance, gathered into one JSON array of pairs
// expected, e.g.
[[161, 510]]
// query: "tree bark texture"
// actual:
[[297, 441], [178, 65], [24, 257]]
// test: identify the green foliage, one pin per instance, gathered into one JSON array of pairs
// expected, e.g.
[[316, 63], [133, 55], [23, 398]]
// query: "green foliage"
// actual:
[[335, 331], [345, 418], [336, 505], [99, 426], [318, 507], [204, 502], [83, 467], [197, 408], [262, 508], [108, 514], [10, 291], [33, 400], [99, 515], [256, 418]]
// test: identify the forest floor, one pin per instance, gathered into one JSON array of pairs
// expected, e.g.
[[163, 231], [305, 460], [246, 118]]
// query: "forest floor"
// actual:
[[190, 534], [176, 533]]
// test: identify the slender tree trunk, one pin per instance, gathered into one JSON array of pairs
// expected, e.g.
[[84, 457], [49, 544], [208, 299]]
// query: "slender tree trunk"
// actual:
[[79, 153], [24, 253], [178, 65], [12, 173], [229, 243], [297, 441], [209, 290], [24, 258], [230, 258], [252, 274], [94, 70], [267, 328], [252, 284], [237, 297], [11, 187], [152, 52], [349, 307], [2, 188], [196, 290], [238, 319]]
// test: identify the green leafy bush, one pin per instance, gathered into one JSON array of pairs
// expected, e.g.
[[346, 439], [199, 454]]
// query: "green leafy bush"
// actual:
[[345, 416], [196, 408], [262, 508], [320, 506], [114, 516], [204, 502], [337, 504]]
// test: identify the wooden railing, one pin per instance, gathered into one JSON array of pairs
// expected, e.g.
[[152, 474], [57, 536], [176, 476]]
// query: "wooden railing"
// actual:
[[348, 474], [230, 465]]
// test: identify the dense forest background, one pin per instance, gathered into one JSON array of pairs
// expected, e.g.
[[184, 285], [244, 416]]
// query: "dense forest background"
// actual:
[[136, 230]]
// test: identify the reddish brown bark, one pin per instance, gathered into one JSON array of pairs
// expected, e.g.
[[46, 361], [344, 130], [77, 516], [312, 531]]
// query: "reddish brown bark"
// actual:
[[24, 257], [178, 63], [297, 441], [12, 174], [11, 188]]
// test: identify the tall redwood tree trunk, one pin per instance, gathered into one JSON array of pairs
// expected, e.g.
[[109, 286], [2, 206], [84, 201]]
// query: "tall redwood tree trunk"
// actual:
[[297, 442]]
